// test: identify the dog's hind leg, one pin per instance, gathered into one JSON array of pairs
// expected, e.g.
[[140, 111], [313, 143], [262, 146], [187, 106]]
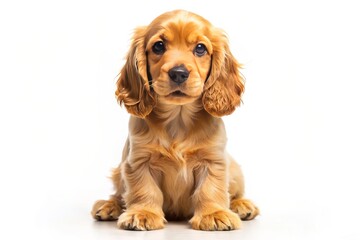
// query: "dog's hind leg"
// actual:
[[108, 210], [245, 208]]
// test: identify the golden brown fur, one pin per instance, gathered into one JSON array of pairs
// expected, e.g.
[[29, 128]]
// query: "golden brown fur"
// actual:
[[174, 163]]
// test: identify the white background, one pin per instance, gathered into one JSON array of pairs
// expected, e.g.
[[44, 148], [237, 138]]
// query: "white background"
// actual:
[[296, 135]]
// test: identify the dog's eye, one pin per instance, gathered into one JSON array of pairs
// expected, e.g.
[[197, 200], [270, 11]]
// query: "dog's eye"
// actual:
[[158, 48], [200, 50]]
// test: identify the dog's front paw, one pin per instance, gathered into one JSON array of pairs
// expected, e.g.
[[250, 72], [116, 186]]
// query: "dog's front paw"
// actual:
[[218, 221], [140, 220]]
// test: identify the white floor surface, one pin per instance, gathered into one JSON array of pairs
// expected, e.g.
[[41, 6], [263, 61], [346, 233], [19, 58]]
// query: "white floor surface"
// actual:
[[296, 135]]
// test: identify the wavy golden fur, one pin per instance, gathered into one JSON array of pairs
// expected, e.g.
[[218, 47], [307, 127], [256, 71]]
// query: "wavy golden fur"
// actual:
[[178, 80]]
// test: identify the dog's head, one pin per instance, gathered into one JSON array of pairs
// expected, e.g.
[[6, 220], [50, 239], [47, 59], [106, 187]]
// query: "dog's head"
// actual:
[[177, 59]]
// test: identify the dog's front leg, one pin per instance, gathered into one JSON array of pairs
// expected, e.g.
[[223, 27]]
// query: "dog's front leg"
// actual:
[[211, 199], [143, 199]]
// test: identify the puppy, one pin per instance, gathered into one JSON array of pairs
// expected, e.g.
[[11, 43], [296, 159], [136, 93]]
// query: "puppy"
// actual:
[[178, 80]]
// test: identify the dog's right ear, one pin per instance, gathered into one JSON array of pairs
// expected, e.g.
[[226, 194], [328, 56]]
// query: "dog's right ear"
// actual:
[[133, 88]]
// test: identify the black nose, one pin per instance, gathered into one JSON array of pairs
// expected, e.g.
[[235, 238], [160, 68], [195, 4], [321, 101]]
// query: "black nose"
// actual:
[[178, 74]]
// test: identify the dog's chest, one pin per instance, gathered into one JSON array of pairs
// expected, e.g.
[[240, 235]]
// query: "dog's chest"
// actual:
[[178, 162], [177, 158]]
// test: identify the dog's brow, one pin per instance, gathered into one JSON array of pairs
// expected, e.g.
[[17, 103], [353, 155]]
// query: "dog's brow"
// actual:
[[163, 37]]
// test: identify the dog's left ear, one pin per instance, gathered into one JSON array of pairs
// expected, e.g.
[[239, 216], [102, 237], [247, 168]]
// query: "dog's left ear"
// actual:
[[225, 85]]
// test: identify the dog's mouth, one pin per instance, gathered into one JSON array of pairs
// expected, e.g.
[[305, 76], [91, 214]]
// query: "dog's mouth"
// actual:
[[179, 98], [177, 93]]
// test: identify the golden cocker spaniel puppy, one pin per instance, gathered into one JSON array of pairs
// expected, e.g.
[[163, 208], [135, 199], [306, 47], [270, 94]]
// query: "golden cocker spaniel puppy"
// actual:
[[178, 80]]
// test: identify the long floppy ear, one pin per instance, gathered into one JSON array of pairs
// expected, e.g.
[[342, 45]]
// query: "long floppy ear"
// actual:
[[225, 85], [133, 89]]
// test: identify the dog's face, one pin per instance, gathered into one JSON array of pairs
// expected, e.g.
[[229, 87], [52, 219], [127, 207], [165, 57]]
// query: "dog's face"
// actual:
[[178, 58]]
